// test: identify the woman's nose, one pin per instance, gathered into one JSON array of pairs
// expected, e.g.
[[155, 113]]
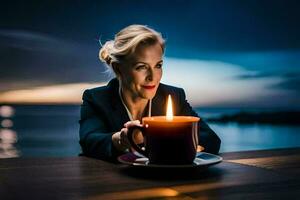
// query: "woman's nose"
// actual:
[[149, 75]]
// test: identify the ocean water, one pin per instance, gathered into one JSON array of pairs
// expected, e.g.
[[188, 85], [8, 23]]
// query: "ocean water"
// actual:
[[42, 131], [243, 137], [31, 131]]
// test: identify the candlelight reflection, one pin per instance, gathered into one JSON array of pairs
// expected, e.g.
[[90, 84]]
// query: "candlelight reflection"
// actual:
[[7, 140], [6, 111], [7, 123], [152, 193], [8, 137]]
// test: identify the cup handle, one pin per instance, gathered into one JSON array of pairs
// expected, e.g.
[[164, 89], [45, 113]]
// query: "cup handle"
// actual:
[[132, 143]]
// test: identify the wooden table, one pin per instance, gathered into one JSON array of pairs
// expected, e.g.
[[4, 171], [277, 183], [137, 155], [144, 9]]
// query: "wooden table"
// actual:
[[271, 174]]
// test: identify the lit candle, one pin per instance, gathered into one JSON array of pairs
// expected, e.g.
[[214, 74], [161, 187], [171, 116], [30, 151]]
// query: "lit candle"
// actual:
[[171, 139]]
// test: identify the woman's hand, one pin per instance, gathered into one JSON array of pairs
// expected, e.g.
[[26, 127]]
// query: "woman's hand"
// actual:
[[120, 139]]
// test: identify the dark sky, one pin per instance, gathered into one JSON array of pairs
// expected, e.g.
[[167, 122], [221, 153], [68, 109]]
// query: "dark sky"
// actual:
[[213, 25], [50, 42]]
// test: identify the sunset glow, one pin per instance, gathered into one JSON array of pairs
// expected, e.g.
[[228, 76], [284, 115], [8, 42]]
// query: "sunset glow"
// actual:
[[54, 94]]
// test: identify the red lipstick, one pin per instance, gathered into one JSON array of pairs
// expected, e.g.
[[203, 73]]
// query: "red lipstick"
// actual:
[[149, 87]]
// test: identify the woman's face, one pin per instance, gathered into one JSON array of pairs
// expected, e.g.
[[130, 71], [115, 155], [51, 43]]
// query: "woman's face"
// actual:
[[141, 74]]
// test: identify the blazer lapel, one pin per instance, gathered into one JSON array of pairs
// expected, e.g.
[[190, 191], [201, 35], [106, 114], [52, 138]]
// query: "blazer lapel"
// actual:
[[119, 113]]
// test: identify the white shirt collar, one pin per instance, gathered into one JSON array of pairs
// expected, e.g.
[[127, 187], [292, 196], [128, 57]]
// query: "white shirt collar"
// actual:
[[127, 110]]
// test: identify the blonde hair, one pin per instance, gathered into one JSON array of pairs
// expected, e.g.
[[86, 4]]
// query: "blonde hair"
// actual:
[[126, 42]]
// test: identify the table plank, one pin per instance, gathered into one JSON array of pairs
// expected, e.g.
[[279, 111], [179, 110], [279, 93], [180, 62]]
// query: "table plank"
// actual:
[[284, 161], [261, 153]]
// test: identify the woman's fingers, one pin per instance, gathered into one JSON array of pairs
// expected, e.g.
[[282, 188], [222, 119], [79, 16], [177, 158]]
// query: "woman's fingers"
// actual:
[[123, 138], [137, 135], [123, 141], [132, 123]]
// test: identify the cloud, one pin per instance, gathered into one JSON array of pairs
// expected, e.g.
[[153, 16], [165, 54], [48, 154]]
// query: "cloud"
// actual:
[[292, 74], [29, 40], [257, 74], [288, 80], [30, 59], [212, 83], [253, 75], [290, 84], [26, 35], [258, 61]]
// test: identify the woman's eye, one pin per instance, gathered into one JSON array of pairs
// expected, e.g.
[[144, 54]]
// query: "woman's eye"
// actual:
[[140, 67], [159, 66]]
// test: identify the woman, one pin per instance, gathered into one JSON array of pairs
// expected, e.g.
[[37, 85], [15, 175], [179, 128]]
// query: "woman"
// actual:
[[136, 57]]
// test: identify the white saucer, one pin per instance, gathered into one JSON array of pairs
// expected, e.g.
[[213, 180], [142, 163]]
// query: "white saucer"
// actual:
[[202, 160]]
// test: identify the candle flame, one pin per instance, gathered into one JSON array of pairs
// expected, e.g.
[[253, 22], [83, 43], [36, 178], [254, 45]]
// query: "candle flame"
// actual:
[[169, 109]]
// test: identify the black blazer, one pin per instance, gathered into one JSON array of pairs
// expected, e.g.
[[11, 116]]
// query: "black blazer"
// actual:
[[102, 114]]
